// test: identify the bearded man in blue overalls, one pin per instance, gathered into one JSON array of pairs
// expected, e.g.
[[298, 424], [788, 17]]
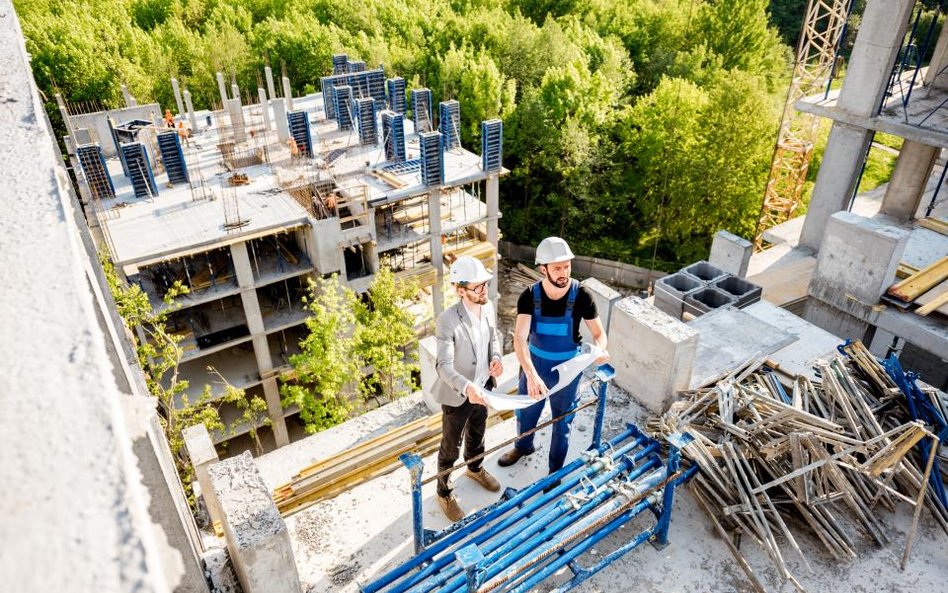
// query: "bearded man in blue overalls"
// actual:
[[547, 334]]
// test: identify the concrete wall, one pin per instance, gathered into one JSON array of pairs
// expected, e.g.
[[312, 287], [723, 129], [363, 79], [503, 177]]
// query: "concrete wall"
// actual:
[[613, 272], [97, 123]]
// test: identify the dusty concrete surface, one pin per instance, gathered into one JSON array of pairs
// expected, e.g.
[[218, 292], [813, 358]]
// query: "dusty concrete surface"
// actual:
[[362, 533]]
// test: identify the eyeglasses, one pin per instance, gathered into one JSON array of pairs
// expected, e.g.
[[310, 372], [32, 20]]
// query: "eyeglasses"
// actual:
[[476, 288]]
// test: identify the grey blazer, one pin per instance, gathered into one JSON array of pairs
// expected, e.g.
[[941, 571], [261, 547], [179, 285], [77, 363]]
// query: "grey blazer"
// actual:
[[456, 362]]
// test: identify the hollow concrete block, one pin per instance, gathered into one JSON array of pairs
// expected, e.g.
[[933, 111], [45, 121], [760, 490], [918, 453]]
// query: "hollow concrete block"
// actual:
[[653, 353]]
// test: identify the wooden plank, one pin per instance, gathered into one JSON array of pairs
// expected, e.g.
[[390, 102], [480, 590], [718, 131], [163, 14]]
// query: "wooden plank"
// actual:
[[918, 284], [934, 224], [938, 296]]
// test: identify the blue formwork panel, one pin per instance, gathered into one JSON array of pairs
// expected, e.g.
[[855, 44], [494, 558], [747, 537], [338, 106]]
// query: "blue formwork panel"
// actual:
[[169, 144], [118, 145], [97, 174], [421, 114], [449, 123], [139, 170], [492, 145], [299, 129], [393, 136], [396, 94], [376, 82], [357, 66], [432, 158], [327, 85], [368, 129], [345, 106], [340, 63]]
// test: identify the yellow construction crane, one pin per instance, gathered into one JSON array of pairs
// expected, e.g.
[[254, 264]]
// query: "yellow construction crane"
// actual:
[[823, 26]]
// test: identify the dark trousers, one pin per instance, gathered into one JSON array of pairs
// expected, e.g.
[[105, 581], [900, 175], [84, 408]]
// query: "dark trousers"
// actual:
[[468, 422]]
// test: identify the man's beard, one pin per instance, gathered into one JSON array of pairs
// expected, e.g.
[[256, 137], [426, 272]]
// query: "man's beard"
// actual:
[[561, 282], [478, 299]]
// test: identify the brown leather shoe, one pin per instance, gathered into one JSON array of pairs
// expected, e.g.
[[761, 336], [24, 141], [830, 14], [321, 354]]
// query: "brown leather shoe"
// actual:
[[486, 480], [511, 457], [449, 504]]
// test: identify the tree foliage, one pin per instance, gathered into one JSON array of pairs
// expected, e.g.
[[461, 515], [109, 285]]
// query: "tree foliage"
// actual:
[[565, 76]]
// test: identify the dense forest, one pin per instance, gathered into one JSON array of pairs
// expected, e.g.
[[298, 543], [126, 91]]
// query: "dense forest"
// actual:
[[634, 128]]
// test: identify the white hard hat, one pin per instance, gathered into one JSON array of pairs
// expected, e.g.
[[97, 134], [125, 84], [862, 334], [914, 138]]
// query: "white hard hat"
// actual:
[[553, 250], [468, 270]]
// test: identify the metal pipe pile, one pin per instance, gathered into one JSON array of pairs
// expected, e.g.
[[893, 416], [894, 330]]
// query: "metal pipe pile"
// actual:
[[532, 533]]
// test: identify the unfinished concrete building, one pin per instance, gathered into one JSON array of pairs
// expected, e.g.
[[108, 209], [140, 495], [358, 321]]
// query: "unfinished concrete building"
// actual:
[[244, 203]]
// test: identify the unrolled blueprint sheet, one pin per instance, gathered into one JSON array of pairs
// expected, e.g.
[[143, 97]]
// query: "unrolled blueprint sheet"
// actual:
[[567, 371]]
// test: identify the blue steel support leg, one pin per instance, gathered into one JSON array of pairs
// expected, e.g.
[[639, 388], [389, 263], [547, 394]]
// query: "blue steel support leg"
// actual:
[[676, 441], [471, 558], [415, 466], [604, 373]]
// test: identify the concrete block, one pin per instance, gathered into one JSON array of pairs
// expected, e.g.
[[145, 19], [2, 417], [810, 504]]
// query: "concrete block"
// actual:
[[707, 299], [745, 292], [670, 292], [256, 535], [652, 352], [605, 298], [201, 452], [857, 261], [704, 271], [280, 121], [427, 357], [731, 253]]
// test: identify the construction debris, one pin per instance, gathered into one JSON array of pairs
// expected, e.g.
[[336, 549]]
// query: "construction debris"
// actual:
[[843, 447]]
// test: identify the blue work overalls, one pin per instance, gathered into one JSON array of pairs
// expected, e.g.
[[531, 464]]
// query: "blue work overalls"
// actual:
[[551, 343]]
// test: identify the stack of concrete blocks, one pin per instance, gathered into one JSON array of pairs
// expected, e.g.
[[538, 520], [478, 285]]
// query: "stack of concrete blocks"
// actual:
[[856, 265], [653, 353], [256, 535], [702, 287]]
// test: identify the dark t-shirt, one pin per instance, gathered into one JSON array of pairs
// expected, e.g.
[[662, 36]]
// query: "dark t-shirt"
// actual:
[[583, 308]]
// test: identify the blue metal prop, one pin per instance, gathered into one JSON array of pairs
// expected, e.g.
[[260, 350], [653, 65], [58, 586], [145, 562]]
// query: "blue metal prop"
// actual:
[[532, 533]]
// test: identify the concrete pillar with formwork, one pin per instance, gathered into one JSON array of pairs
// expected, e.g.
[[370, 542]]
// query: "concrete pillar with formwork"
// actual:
[[279, 118], [437, 257], [653, 353], [236, 111], [261, 348], [493, 229], [222, 89], [731, 253], [190, 107], [201, 452], [605, 298], [909, 180], [856, 264], [176, 89], [881, 32], [262, 96], [256, 535], [287, 94], [268, 74]]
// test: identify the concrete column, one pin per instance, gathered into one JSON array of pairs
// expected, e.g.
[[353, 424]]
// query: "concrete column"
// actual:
[[64, 113], [437, 256], [190, 107], [653, 353], [909, 180], [836, 180], [262, 95], [493, 232], [129, 99], [605, 299], [222, 88], [256, 535], [936, 76], [177, 95], [236, 112], [287, 94], [279, 118], [234, 92], [261, 349], [202, 454], [877, 45], [730, 253], [270, 88]]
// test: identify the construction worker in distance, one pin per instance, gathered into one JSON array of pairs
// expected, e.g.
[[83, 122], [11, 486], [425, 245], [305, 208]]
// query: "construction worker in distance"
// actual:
[[547, 334], [469, 357], [169, 119]]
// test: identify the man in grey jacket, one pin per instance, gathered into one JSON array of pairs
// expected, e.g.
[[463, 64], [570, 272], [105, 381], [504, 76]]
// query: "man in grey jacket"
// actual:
[[469, 358]]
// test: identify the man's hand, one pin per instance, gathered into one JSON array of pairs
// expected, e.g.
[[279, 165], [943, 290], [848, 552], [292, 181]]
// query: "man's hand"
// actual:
[[496, 368], [536, 388], [473, 396], [604, 358]]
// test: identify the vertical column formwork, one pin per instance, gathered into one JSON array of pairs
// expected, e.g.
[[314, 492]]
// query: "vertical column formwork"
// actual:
[[492, 145], [139, 169], [97, 174], [396, 94], [299, 129], [368, 129], [449, 123], [169, 144], [340, 64], [421, 110], [393, 136], [344, 106], [329, 97], [375, 81], [432, 158]]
